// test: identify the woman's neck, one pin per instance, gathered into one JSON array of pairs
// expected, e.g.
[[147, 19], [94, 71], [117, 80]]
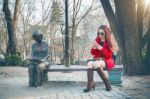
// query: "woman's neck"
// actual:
[[102, 40]]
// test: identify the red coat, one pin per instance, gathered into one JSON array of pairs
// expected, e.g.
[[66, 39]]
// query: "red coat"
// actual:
[[105, 53]]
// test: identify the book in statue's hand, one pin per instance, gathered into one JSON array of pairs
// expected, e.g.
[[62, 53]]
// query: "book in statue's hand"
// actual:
[[35, 60], [39, 60]]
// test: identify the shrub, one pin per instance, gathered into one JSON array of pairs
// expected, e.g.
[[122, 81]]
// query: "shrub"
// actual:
[[13, 60], [2, 62]]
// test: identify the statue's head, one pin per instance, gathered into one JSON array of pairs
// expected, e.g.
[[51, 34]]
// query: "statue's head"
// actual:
[[37, 36]]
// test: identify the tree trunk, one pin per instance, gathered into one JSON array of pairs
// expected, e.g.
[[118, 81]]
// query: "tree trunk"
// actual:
[[116, 27], [72, 42], [67, 54], [128, 18], [148, 55], [125, 28], [140, 13], [15, 16], [147, 60], [11, 48]]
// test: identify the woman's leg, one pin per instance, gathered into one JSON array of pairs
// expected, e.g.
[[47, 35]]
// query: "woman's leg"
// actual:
[[101, 73], [99, 64], [90, 84]]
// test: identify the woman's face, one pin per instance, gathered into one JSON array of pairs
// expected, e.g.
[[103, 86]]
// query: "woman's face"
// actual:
[[101, 33]]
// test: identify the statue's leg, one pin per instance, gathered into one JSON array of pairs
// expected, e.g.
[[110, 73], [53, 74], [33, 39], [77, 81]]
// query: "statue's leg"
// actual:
[[38, 76], [44, 69], [45, 75], [31, 75]]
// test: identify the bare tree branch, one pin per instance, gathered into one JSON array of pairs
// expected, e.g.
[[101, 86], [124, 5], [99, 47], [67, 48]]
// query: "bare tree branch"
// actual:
[[86, 13]]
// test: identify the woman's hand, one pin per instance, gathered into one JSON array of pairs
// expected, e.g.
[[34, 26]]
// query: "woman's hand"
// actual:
[[97, 46], [94, 45]]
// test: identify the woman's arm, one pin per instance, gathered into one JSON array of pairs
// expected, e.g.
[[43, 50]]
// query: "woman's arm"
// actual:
[[98, 46], [95, 48], [106, 52]]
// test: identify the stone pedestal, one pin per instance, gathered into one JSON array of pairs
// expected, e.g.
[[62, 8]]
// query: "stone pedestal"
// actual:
[[115, 75]]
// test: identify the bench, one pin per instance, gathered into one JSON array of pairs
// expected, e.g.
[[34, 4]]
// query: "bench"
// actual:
[[115, 75]]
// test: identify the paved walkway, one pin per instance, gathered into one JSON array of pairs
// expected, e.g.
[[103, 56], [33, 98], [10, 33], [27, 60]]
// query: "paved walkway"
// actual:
[[14, 85]]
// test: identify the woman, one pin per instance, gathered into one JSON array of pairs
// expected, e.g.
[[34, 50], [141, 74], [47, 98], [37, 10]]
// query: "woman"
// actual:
[[102, 51]]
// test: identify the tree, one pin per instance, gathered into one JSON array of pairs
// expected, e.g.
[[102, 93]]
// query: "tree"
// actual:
[[76, 20], [11, 48], [127, 25], [26, 12], [67, 41], [55, 21], [3, 35], [16, 16]]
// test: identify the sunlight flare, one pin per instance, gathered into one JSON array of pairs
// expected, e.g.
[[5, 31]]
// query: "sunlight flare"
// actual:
[[147, 2]]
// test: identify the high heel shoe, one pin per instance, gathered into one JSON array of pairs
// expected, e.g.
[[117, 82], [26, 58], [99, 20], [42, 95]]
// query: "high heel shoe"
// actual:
[[104, 78], [90, 87], [90, 84]]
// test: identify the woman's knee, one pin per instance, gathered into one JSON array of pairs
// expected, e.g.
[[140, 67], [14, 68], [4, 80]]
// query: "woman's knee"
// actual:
[[99, 64], [89, 64]]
